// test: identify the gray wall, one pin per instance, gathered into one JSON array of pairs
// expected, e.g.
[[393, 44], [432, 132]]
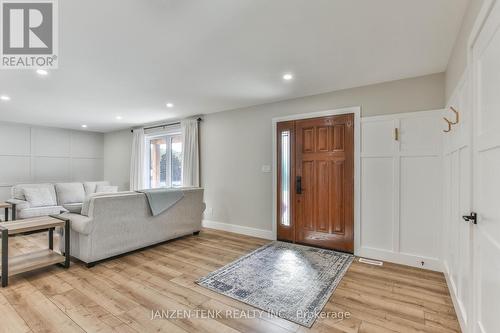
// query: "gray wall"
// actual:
[[236, 144], [32, 154], [117, 151], [458, 58]]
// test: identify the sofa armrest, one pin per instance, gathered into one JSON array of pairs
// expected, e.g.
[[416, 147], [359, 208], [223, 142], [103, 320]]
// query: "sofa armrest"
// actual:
[[20, 204], [79, 223]]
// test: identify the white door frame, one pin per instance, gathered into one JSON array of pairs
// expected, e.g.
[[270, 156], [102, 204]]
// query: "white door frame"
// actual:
[[356, 110]]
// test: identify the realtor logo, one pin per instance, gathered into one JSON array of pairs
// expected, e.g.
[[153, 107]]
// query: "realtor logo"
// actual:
[[29, 34]]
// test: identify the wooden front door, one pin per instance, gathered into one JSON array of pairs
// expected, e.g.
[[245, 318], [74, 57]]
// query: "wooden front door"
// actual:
[[322, 182]]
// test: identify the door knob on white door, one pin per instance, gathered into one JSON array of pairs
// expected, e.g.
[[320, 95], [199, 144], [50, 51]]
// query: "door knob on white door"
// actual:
[[471, 218]]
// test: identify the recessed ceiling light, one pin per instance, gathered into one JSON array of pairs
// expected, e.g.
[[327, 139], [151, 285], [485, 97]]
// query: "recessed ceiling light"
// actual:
[[84, 126], [287, 76], [5, 98], [170, 105], [42, 72], [118, 117]]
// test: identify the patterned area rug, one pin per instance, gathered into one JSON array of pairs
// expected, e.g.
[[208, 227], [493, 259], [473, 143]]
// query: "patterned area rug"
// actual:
[[291, 281]]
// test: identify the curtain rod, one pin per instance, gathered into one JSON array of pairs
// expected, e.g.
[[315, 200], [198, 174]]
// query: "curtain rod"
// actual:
[[165, 125]]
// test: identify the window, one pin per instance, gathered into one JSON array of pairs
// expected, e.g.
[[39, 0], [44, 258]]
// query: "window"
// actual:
[[285, 178], [165, 160]]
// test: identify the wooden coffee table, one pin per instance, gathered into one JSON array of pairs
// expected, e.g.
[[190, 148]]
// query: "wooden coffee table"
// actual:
[[7, 206], [29, 261]]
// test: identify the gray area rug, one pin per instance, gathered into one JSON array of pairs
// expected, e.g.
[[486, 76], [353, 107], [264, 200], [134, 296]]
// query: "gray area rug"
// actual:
[[291, 281]]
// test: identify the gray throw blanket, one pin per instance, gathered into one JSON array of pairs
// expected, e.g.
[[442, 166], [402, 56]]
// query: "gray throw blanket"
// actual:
[[162, 199]]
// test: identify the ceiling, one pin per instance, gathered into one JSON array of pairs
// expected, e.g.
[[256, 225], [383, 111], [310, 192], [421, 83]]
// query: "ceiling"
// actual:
[[128, 58]]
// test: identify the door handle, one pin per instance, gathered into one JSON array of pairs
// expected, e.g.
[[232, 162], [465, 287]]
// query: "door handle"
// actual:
[[298, 185], [471, 218]]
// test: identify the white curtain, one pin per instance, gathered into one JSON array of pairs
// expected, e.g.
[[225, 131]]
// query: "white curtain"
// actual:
[[190, 153], [137, 161]]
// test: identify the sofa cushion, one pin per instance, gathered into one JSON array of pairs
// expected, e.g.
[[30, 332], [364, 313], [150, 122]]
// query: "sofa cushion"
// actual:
[[106, 189], [90, 187], [39, 197], [17, 191], [69, 193], [74, 207], [40, 211]]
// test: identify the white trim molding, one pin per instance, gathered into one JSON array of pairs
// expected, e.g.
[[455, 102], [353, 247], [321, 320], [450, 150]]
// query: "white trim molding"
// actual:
[[433, 264], [356, 110], [254, 232], [459, 309]]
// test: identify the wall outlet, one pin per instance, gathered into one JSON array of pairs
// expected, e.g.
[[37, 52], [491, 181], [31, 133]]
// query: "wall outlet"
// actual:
[[266, 168], [209, 212]]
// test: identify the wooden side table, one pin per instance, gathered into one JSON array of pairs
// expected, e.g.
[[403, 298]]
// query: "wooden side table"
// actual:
[[38, 259], [7, 206]]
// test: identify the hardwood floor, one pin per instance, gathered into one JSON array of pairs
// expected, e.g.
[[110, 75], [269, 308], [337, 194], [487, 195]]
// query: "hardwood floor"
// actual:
[[119, 295]]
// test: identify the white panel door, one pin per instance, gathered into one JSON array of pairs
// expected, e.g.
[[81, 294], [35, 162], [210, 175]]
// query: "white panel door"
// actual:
[[457, 254], [486, 173]]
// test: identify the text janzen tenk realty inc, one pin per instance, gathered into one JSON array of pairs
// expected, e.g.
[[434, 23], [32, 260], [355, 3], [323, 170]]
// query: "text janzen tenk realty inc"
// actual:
[[240, 314]]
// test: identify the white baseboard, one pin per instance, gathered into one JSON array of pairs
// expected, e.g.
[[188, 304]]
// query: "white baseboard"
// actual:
[[456, 304], [371, 253], [432, 264], [238, 229]]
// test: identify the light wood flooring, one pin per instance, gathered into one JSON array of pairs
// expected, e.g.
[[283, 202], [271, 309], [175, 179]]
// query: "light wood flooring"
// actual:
[[118, 295]]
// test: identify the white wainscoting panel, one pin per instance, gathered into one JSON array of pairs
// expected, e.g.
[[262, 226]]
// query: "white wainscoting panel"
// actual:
[[401, 188], [87, 145], [4, 192], [50, 142], [51, 169], [31, 154], [14, 169], [377, 202], [420, 212], [419, 135], [83, 169], [377, 137], [15, 139]]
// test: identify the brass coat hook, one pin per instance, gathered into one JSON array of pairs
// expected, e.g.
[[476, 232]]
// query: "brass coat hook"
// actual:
[[457, 115], [449, 125]]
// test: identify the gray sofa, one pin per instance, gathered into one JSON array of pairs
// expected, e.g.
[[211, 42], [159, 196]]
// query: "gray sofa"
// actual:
[[113, 224], [60, 197]]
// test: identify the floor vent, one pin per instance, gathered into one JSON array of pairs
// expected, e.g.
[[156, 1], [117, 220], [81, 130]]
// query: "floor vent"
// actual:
[[371, 262]]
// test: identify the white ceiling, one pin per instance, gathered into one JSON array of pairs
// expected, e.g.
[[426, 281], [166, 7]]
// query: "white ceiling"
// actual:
[[129, 57]]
